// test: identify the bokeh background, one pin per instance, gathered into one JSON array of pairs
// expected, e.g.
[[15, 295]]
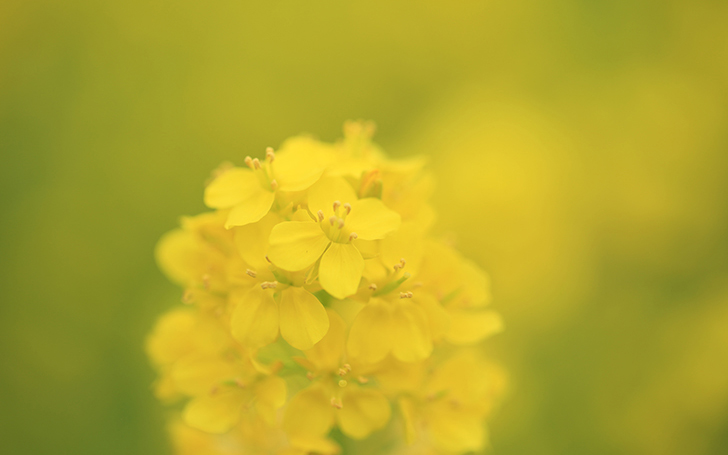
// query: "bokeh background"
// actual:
[[581, 149]]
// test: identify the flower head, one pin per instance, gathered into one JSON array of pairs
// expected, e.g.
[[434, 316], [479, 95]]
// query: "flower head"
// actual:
[[318, 309]]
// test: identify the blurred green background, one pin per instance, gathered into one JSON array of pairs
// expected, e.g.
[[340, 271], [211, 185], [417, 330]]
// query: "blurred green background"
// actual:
[[581, 149]]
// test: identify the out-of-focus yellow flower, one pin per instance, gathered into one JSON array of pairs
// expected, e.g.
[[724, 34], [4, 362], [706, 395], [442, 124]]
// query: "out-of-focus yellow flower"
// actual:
[[329, 246]]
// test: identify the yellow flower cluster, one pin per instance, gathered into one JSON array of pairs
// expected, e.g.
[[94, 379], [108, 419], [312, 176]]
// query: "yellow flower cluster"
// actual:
[[327, 246]]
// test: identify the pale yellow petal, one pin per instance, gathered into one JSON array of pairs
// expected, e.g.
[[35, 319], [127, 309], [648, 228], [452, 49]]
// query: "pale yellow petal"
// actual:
[[472, 326], [303, 318], [231, 188], [169, 341], [322, 195], [340, 270], [295, 245], [197, 375], [296, 169], [363, 411], [251, 209], [216, 413], [254, 321], [370, 338], [179, 255], [270, 396], [371, 219], [309, 413], [411, 338], [437, 317], [455, 430], [326, 355], [252, 240]]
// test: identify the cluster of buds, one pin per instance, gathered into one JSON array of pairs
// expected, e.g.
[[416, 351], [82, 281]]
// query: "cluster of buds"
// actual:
[[318, 311]]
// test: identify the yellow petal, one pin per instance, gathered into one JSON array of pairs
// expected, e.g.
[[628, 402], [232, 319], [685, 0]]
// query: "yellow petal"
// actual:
[[472, 326], [455, 430], [169, 341], [252, 240], [197, 375], [326, 355], [370, 338], [180, 256], [296, 169], [216, 413], [363, 411], [437, 317], [231, 188], [322, 195], [309, 413], [411, 339], [303, 319], [406, 242], [270, 394], [295, 245], [371, 219], [340, 270], [254, 321], [251, 209]]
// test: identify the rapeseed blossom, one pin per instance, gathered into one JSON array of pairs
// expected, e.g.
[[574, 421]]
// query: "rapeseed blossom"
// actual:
[[320, 311]]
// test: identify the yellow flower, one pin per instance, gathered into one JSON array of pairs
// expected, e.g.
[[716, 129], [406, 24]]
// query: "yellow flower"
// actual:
[[335, 398], [340, 219], [249, 193], [262, 310], [450, 409]]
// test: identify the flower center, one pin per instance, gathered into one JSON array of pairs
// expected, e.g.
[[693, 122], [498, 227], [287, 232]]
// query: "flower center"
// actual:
[[335, 227], [264, 170]]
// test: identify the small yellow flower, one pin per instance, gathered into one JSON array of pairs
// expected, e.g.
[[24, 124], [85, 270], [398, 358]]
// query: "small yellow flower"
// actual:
[[341, 219], [335, 397], [262, 310], [249, 193]]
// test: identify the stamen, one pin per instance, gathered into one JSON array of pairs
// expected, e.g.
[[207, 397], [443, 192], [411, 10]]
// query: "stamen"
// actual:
[[337, 204], [266, 258], [347, 206], [362, 380], [256, 164], [268, 284], [320, 215], [188, 297], [251, 273], [249, 162], [353, 236], [332, 220], [342, 371], [347, 367], [274, 184], [336, 403], [405, 295], [341, 223], [269, 154], [206, 281], [401, 265], [372, 287], [310, 376]]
